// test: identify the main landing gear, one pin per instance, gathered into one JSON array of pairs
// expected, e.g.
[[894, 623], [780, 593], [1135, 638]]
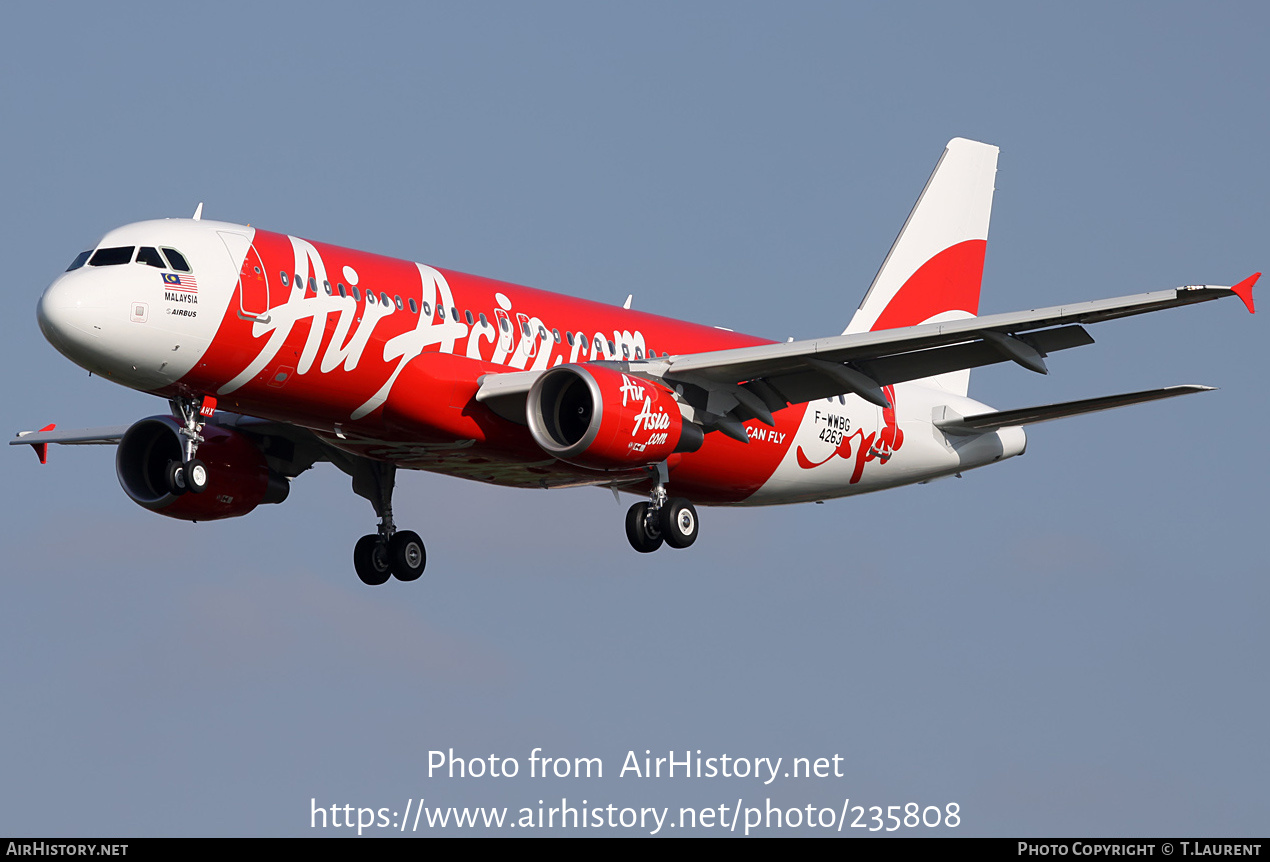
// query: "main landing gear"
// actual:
[[402, 556], [389, 552], [672, 520], [189, 474]]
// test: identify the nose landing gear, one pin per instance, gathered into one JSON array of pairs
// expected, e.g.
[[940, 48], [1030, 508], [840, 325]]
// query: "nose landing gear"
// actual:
[[190, 474]]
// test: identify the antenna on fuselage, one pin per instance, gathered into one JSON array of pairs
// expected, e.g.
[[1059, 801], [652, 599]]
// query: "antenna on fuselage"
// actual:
[[198, 211], [629, 297]]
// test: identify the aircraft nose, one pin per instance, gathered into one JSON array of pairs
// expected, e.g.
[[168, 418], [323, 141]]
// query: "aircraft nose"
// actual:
[[63, 314]]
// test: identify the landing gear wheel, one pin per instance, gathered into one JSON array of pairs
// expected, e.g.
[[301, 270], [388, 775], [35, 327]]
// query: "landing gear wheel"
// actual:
[[678, 522], [406, 555], [175, 478], [196, 476], [637, 530], [370, 559]]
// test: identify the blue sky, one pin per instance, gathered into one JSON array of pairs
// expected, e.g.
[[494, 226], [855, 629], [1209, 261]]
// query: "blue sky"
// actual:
[[1069, 643]]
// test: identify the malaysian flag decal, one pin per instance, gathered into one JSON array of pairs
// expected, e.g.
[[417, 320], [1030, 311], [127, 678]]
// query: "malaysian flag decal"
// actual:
[[173, 281]]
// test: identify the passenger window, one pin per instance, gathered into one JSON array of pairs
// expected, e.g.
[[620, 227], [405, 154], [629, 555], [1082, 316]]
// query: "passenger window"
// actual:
[[524, 327], [283, 276], [626, 351], [383, 297], [506, 326], [313, 284], [397, 299], [111, 256], [484, 322], [427, 309], [454, 313], [357, 294], [150, 257], [370, 297], [299, 281], [80, 260], [467, 315], [569, 337], [327, 286], [612, 349], [340, 288], [555, 334], [177, 260], [639, 353], [414, 309]]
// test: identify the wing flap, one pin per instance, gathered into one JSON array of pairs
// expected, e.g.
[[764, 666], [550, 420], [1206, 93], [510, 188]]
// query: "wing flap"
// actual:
[[805, 384]]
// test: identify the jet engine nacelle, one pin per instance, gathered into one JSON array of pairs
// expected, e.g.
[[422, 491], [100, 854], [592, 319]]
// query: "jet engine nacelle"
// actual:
[[239, 479], [604, 419]]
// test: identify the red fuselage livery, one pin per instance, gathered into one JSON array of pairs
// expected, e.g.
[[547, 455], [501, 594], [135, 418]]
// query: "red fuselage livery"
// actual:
[[402, 370], [276, 352]]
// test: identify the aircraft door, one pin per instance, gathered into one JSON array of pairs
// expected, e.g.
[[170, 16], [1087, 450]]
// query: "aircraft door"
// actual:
[[504, 324], [253, 281], [528, 338]]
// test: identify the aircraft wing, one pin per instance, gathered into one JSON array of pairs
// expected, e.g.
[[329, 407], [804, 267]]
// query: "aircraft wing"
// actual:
[[724, 388], [110, 435], [40, 440], [303, 442], [105, 436]]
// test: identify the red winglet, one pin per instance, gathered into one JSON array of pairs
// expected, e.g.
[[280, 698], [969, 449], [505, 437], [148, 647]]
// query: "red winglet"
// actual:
[[1243, 290], [42, 449]]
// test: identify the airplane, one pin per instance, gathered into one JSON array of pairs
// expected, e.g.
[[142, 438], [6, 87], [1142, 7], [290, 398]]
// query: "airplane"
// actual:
[[276, 353]]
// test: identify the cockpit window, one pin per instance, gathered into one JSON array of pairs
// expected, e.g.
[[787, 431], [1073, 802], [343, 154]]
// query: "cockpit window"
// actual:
[[112, 256], [80, 260], [177, 260], [150, 257]]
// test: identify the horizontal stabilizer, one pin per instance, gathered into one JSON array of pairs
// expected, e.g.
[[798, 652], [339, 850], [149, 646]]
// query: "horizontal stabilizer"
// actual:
[[981, 423]]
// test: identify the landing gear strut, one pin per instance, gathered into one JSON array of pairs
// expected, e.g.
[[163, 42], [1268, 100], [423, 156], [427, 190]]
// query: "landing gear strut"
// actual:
[[389, 551], [189, 474], [663, 518]]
